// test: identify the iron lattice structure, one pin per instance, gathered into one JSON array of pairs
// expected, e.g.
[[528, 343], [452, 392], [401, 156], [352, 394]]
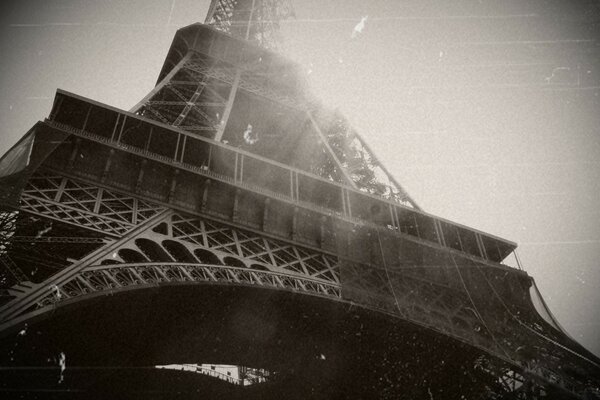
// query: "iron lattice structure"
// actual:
[[254, 20], [229, 174]]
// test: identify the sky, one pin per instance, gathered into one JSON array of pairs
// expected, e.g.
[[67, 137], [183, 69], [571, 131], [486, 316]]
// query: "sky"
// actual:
[[486, 112]]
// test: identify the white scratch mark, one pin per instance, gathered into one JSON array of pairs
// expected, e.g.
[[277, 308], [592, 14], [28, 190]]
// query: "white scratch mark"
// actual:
[[48, 24], [43, 232], [62, 362], [359, 27], [56, 291], [249, 136], [564, 242], [171, 12], [556, 73]]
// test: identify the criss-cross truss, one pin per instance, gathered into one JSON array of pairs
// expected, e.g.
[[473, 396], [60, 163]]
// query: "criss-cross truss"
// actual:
[[73, 202], [255, 184], [195, 95], [156, 247], [254, 20], [203, 88], [254, 249]]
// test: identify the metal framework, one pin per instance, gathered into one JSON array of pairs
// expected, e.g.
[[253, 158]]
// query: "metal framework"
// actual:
[[173, 194], [199, 91], [172, 248], [253, 20], [69, 201], [112, 278]]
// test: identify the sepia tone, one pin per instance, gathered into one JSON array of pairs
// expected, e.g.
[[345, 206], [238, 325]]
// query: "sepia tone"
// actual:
[[231, 235]]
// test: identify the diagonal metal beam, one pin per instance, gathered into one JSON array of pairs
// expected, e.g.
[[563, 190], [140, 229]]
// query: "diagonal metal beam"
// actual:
[[9, 313], [162, 83], [325, 142]]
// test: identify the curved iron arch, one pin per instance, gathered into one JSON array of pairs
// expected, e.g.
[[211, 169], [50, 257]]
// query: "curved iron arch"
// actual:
[[104, 279]]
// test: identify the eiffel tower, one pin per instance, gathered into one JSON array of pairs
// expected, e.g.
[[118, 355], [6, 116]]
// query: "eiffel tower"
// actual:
[[231, 219]]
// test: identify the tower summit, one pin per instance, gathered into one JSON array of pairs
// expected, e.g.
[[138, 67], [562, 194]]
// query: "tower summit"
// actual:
[[229, 219]]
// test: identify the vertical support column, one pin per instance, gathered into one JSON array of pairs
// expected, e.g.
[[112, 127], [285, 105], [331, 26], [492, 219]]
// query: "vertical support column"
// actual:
[[297, 185], [347, 201], [322, 231], [414, 217], [135, 211], [56, 107], [74, 153], [147, 144], [480, 246], [98, 201], [265, 219], [114, 131], [394, 223], [176, 154], [208, 162], [121, 130], [295, 224], [140, 178], [106, 170], [87, 117], [183, 148], [173, 186], [460, 243], [236, 206], [235, 168], [395, 211], [238, 247], [205, 195], [440, 232], [229, 105], [292, 186], [204, 234]]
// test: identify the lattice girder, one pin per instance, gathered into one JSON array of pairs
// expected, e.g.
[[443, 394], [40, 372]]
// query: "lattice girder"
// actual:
[[66, 200], [248, 248], [115, 277], [254, 20], [267, 262]]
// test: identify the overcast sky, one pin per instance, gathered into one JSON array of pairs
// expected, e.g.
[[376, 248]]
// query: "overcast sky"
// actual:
[[486, 112]]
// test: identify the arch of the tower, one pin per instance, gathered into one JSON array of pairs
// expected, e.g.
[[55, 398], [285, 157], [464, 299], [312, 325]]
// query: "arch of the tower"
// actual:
[[341, 348]]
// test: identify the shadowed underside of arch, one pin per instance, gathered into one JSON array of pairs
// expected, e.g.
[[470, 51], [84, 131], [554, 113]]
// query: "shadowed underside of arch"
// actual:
[[153, 247], [313, 347]]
